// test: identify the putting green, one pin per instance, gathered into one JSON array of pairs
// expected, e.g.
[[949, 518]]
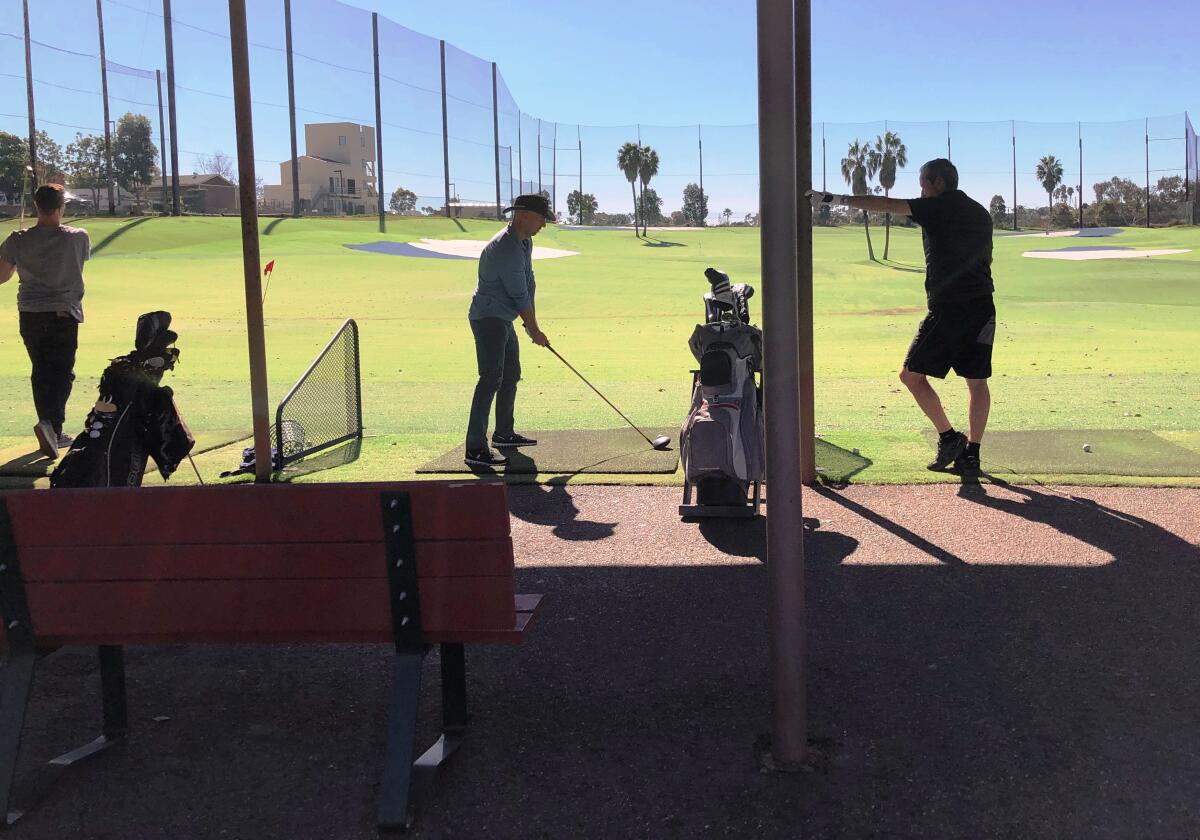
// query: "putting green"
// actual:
[[573, 451], [1118, 338]]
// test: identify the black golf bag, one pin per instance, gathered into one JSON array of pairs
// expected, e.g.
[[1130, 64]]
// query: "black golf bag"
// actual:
[[722, 442], [135, 418]]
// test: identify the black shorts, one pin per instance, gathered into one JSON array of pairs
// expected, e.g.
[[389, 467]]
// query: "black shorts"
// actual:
[[958, 336]]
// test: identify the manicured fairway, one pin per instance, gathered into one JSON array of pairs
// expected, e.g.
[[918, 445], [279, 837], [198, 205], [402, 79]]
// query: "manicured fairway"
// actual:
[[1108, 344]]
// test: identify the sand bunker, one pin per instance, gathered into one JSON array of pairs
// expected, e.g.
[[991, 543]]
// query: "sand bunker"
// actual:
[[1110, 252], [1085, 232], [448, 249]]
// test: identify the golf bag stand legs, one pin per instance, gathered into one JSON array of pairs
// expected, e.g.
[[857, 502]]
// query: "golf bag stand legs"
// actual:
[[749, 509]]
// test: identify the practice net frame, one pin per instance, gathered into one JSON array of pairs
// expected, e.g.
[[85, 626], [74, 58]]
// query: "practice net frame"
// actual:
[[324, 407]]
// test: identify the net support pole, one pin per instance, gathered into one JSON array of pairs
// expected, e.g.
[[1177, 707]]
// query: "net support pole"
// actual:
[[379, 190], [445, 130], [822, 157], [539, 154], [1147, 172], [108, 175], [703, 197], [33, 161], [554, 174], [291, 79], [582, 202], [1079, 131], [1014, 167], [520, 156], [804, 286], [162, 143], [948, 157], [168, 39], [778, 129], [243, 114], [496, 139]]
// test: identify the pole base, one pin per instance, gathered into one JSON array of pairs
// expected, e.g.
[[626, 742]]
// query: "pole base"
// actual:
[[816, 760]]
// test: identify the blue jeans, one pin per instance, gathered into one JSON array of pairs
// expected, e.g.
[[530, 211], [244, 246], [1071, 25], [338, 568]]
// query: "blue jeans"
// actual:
[[51, 340], [498, 357]]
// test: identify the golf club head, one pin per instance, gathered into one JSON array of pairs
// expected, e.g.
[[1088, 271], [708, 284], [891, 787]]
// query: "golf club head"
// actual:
[[661, 442]]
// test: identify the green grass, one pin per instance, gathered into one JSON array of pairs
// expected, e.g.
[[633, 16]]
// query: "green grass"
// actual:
[[621, 312]]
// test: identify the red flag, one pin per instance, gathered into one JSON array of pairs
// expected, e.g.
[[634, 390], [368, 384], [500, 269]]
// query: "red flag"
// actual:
[[269, 268]]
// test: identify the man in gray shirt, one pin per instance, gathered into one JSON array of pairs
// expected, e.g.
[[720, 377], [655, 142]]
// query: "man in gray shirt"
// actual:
[[48, 258], [505, 291]]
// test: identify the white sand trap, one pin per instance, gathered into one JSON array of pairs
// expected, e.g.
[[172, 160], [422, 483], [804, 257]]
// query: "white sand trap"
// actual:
[[1102, 254], [1084, 233], [474, 247]]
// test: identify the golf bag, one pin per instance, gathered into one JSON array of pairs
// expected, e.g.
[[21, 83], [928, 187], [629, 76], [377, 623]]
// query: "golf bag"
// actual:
[[722, 442], [134, 420]]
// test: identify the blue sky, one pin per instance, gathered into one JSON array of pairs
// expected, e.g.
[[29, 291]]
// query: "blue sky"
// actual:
[[676, 63]]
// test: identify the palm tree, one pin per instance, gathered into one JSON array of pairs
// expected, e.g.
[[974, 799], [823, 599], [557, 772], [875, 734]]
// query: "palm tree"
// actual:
[[1049, 172], [858, 167], [892, 155], [629, 161], [647, 169], [728, 214]]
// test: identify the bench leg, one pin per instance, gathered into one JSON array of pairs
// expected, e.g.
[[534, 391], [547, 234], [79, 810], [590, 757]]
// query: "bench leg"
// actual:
[[401, 743], [112, 698], [16, 682], [454, 686]]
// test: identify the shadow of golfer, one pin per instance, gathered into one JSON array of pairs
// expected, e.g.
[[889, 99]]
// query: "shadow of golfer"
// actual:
[[552, 506]]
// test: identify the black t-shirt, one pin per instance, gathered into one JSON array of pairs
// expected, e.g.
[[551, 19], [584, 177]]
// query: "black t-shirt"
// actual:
[[957, 232]]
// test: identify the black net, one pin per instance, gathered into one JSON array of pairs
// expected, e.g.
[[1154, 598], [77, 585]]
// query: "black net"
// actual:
[[324, 408]]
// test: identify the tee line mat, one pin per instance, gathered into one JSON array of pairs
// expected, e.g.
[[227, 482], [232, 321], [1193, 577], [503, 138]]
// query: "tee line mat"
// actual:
[[570, 451]]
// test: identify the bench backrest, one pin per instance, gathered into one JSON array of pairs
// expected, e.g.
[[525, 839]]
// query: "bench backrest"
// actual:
[[248, 563]]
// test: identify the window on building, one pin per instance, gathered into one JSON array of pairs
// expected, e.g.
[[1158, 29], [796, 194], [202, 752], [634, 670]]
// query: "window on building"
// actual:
[[350, 186], [332, 187], [341, 139]]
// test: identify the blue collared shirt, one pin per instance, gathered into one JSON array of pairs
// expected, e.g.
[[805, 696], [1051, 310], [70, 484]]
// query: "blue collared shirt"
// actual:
[[506, 283]]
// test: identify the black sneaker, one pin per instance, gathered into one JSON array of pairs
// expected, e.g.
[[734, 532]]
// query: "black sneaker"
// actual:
[[948, 451], [484, 458], [967, 464], [512, 440]]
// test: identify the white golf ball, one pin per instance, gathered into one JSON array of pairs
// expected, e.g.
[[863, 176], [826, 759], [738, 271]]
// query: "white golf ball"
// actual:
[[1087, 447]]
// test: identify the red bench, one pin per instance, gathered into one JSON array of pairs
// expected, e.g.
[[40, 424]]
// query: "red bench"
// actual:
[[408, 564]]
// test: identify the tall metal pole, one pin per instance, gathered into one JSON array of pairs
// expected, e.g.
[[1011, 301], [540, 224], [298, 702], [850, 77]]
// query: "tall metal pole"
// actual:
[[1014, 147], [287, 31], [1079, 131], [804, 289], [822, 157], [496, 139], [948, 157], [168, 38], [520, 156], [244, 116], [162, 143], [33, 161], [108, 176], [554, 173], [703, 197], [379, 190], [579, 142], [445, 133], [539, 156], [1147, 172], [511, 194], [782, 262]]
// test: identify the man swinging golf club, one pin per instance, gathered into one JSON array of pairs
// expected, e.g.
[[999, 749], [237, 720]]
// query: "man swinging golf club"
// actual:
[[960, 326], [504, 293]]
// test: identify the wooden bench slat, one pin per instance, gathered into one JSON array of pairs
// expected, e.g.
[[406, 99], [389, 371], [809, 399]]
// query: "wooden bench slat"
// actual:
[[280, 561], [325, 513], [331, 610], [524, 619]]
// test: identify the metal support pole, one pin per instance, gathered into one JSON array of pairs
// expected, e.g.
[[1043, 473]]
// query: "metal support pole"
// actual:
[[1147, 172], [777, 130], [703, 197], [29, 99], [1014, 147], [520, 156], [168, 37], [539, 154], [823, 157], [108, 176], [162, 143], [244, 116], [804, 221], [496, 138], [379, 190], [554, 173], [579, 142], [287, 31], [948, 157], [445, 133], [1079, 131]]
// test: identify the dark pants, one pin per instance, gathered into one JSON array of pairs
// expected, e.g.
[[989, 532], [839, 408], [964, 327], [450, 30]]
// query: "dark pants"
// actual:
[[51, 340], [499, 359]]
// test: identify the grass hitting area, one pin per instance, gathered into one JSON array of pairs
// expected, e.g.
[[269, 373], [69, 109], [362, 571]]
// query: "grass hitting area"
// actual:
[[1081, 345]]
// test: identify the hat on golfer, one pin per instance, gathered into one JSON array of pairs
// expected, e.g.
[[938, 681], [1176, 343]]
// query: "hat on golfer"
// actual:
[[533, 203]]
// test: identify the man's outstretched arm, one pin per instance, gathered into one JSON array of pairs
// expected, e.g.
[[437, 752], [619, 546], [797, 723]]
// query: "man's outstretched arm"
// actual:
[[870, 203]]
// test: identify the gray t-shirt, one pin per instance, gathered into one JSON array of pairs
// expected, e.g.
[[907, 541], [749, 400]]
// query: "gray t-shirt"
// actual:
[[49, 263]]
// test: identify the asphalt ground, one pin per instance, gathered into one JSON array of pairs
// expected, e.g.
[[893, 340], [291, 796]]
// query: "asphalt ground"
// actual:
[[984, 661]]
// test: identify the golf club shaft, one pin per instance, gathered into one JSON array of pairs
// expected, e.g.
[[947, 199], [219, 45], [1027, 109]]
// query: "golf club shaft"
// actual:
[[601, 396]]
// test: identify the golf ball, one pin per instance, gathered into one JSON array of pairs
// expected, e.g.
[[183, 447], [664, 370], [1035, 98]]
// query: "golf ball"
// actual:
[[1087, 447]]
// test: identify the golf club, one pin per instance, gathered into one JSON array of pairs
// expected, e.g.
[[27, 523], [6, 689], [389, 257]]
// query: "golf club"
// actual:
[[660, 442]]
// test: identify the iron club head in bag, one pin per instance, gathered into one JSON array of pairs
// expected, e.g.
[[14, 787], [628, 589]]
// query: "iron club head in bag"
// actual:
[[660, 442]]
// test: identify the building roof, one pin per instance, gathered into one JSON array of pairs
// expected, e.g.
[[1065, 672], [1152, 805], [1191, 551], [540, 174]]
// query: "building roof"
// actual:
[[198, 181]]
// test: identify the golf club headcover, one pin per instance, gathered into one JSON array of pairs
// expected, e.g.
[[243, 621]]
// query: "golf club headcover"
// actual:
[[741, 294], [721, 292]]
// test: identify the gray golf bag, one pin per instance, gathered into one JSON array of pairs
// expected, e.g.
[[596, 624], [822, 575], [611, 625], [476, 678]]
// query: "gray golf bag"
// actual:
[[722, 442]]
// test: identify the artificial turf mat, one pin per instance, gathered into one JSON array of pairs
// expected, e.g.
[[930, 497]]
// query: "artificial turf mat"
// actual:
[[1060, 451], [565, 451]]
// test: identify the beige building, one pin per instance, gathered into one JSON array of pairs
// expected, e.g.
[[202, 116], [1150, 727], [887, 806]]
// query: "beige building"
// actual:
[[337, 172]]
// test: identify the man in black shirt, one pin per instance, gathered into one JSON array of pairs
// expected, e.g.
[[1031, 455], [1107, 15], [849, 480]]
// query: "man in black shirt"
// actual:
[[960, 326]]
